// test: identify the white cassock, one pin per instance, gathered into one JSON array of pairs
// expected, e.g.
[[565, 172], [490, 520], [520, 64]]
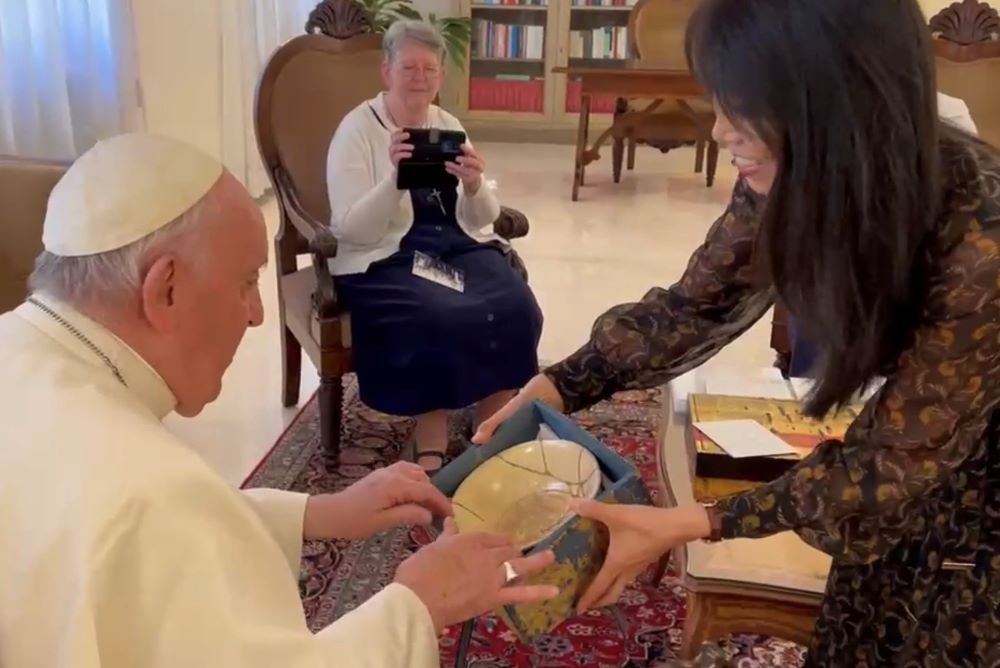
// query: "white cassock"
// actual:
[[120, 547]]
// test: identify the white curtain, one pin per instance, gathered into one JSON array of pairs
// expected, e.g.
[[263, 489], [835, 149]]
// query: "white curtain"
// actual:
[[251, 31], [67, 75]]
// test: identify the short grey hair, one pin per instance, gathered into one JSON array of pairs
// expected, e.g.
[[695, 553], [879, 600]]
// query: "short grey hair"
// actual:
[[414, 31], [117, 273]]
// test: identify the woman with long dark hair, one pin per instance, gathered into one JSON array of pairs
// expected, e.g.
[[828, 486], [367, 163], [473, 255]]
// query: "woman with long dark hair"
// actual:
[[879, 227]]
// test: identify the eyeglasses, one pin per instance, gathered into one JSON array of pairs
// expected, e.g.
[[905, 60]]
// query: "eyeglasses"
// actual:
[[411, 71]]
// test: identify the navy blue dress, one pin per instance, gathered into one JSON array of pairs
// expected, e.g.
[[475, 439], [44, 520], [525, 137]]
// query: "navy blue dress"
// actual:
[[805, 353], [419, 346]]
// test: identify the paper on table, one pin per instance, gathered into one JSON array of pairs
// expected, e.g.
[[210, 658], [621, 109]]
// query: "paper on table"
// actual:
[[744, 438]]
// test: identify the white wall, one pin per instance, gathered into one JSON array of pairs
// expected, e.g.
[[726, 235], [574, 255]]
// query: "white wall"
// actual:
[[178, 44], [439, 7], [932, 7]]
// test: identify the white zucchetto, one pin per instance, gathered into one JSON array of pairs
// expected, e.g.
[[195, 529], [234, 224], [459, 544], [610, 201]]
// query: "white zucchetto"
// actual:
[[123, 189]]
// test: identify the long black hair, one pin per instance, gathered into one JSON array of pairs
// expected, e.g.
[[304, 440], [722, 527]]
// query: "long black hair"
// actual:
[[844, 94]]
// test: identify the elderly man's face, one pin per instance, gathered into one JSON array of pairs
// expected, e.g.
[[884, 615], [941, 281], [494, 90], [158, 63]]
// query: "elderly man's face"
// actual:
[[216, 296]]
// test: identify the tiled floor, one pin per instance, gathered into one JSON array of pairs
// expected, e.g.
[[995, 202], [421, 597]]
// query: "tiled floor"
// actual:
[[585, 256]]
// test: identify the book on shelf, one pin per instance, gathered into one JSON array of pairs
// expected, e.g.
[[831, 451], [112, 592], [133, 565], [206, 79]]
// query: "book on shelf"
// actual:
[[509, 92], [501, 40], [509, 3], [603, 3], [604, 42]]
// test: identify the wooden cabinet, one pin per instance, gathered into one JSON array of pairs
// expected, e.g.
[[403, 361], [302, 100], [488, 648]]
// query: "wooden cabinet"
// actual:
[[508, 90]]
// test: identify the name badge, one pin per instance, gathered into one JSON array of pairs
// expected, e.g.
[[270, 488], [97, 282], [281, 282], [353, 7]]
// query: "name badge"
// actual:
[[436, 271]]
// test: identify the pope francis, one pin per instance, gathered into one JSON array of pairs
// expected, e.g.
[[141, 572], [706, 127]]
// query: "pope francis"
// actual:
[[119, 546]]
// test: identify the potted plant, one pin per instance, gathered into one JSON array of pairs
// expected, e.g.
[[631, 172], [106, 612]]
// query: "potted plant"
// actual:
[[456, 31]]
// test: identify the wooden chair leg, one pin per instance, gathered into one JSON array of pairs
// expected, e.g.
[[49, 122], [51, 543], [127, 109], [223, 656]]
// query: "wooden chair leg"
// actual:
[[291, 368], [713, 162], [661, 569], [699, 156], [631, 153], [617, 156], [696, 626], [331, 399]]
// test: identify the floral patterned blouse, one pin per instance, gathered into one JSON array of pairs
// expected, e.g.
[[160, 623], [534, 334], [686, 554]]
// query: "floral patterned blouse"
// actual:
[[914, 488]]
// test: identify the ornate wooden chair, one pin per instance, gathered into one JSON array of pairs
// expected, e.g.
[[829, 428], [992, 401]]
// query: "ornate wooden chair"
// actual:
[[656, 34], [967, 43], [309, 84], [25, 185]]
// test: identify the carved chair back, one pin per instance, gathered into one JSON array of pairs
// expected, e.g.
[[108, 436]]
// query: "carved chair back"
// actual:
[[967, 43], [656, 31], [308, 87]]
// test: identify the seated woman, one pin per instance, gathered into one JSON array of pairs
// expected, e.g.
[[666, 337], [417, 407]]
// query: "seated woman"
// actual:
[[422, 348], [878, 225]]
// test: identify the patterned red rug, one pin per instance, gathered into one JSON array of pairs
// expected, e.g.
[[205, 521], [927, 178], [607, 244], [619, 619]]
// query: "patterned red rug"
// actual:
[[642, 630]]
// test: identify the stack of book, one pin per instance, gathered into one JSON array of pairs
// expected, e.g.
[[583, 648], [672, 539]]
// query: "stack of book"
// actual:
[[510, 92], [604, 42], [491, 39]]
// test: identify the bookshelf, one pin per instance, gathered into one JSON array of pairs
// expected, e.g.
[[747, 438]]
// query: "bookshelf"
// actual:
[[508, 85]]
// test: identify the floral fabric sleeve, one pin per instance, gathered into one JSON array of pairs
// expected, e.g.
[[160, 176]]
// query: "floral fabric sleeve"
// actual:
[[856, 499], [670, 331]]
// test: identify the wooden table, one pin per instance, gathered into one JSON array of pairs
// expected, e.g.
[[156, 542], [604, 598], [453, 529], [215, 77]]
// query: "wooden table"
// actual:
[[636, 79], [771, 586]]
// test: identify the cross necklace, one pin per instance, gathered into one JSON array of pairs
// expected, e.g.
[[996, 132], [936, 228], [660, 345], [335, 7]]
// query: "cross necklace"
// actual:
[[81, 337]]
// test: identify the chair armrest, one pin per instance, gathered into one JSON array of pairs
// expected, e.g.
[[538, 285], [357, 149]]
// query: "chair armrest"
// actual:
[[512, 224], [317, 236], [320, 242]]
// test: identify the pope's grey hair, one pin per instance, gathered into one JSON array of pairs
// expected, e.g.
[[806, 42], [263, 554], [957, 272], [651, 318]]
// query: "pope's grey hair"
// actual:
[[411, 30], [114, 274]]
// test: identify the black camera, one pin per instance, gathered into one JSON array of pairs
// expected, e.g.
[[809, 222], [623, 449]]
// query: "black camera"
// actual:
[[432, 148]]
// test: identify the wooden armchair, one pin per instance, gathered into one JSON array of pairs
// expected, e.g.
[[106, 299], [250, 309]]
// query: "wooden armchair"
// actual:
[[25, 185], [656, 33], [967, 43], [307, 87]]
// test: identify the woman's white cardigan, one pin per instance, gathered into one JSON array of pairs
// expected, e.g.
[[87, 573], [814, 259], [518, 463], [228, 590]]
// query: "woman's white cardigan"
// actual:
[[369, 215]]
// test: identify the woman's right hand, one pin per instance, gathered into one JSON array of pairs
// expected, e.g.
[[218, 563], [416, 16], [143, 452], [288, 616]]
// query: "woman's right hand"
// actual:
[[398, 148], [539, 387]]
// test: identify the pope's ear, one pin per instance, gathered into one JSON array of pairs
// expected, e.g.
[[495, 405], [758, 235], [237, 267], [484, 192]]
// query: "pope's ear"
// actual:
[[158, 286]]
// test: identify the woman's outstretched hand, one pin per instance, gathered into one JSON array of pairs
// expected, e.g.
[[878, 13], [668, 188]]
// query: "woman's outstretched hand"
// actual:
[[639, 536], [539, 387]]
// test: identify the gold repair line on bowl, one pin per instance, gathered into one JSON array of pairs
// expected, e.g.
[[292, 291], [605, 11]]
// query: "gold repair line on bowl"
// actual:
[[545, 461], [546, 472], [526, 468], [468, 510]]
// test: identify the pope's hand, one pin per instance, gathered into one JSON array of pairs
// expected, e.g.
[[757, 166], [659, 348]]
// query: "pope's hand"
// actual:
[[398, 494], [639, 536], [461, 576], [538, 388]]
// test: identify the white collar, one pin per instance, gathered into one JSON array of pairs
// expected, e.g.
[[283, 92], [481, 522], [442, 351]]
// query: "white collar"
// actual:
[[140, 379], [378, 104]]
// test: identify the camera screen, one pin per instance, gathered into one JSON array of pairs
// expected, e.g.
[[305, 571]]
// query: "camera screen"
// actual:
[[449, 147]]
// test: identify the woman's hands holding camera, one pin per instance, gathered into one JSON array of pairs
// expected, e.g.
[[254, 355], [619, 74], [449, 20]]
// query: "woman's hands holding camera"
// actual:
[[469, 168], [398, 148]]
